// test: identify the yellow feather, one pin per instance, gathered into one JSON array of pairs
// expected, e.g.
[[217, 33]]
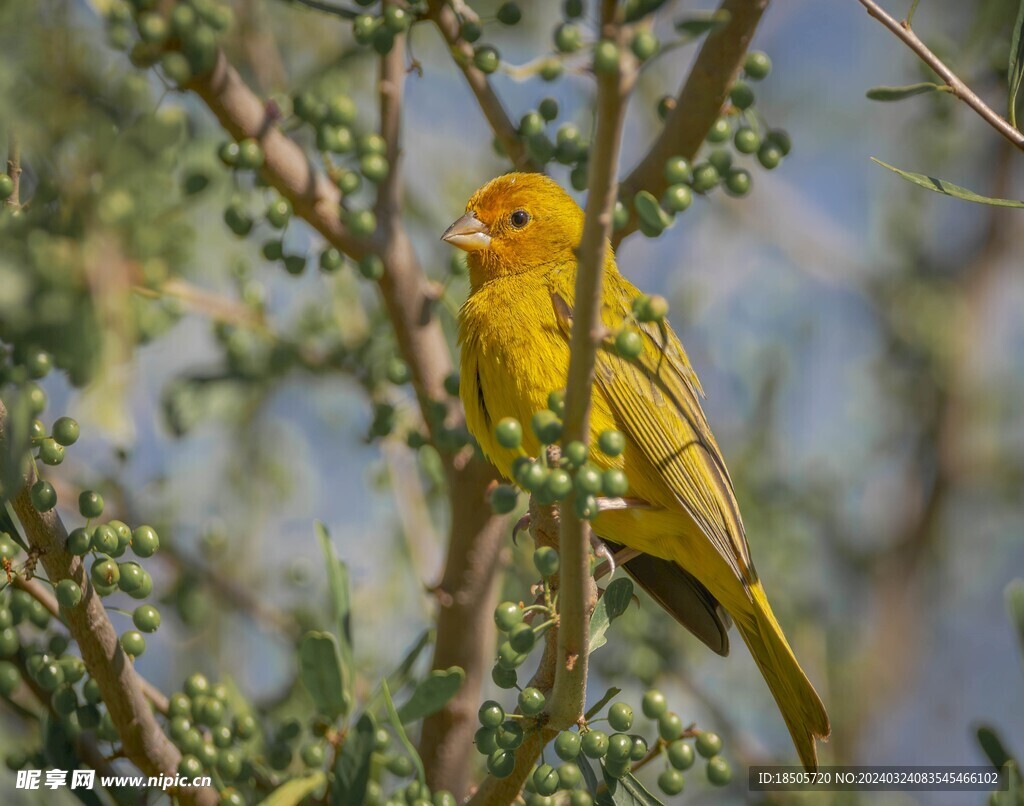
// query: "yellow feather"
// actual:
[[513, 332]]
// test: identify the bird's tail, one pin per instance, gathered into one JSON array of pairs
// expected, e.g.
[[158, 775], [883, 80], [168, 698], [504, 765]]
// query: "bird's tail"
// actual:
[[800, 705]]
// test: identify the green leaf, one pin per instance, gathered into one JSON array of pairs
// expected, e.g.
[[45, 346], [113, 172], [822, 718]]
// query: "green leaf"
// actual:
[[702, 22], [322, 674], [589, 778], [627, 791], [403, 737], [431, 694], [337, 584], [1015, 606], [610, 606], [899, 93], [992, 745], [948, 188], [352, 766], [1015, 71], [296, 790], [595, 709]]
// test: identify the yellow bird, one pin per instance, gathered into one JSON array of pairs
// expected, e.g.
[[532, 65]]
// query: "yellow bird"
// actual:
[[520, 232]]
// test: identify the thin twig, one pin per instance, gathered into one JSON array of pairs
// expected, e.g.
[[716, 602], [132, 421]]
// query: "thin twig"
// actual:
[[576, 595], [904, 32], [447, 23], [698, 103]]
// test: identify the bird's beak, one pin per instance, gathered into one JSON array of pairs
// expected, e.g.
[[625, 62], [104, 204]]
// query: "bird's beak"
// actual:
[[469, 233]]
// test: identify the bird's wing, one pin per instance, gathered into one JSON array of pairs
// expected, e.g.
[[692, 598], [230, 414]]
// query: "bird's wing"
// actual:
[[655, 401]]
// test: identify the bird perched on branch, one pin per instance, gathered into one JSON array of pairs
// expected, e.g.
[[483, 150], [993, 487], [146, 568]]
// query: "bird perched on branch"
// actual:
[[520, 232]]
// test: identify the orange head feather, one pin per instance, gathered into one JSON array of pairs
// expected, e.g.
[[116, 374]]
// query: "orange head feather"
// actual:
[[517, 223]]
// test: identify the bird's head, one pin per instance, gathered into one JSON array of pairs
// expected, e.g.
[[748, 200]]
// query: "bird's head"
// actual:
[[519, 222]]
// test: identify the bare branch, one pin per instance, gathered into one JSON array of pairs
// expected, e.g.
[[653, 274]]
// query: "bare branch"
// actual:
[[904, 32], [447, 23], [577, 595], [123, 693], [698, 103]]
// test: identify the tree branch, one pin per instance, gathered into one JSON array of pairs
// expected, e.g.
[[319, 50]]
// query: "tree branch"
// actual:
[[143, 741], [447, 23], [698, 103], [904, 32]]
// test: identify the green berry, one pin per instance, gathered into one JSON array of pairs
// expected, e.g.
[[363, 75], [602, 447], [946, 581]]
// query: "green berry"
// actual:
[[153, 28], [51, 453], [644, 45], [104, 572], [124, 536], [90, 504], [708, 744], [145, 541], [558, 484], [10, 677], [567, 745], [719, 772], [629, 344], [507, 615], [580, 797], [485, 740], [487, 59], [522, 638], [6, 186], [49, 676], [611, 442], [606, 58], [396, 19], [671, 781], [575, 453], [244, 727], [548, 109], [146, 618], [509, 14], [531, 701], [746, 140], [616, 768], [666, 104], [556, 402], [371, 267], [587, 480], [721, 159], [470, 31], [362, 222], [273, 250], [677, 198], [190, 767], [720, 131], [620, 747], [104, 539], [780, 138], [572, 9], [653, 704], [228, 153], [568, 38], [374, 167], [131, 576], [509, 433], [491, 714], [639, 748], [79, 542], [451, 384], [678, 171], [737, 182], [504, 499], [8, 642], [550, 69], [500, 763], [620, 215], [504, 678], [741, 95], [547, 426], [680, 754], [650, 308], [331, 260], [594, 744], [279, 213], [66, 431], [531, 124], [545, 780], [341, 111], [509, 735], [250, 154], [133, 643], [769, 155], [397, 371], [91, 692], [620, 717], [705, 177], [295, 264], [509, 657], [69, 594], [197, 685], [545, 558], [44, 497], [757, 65], [569, 776], [176, 67], [670, 726]]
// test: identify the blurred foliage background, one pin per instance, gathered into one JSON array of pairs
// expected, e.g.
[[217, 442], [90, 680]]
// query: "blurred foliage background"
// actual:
[[860, 342]]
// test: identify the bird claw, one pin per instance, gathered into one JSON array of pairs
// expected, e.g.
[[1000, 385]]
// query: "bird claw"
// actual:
[[522, 525]]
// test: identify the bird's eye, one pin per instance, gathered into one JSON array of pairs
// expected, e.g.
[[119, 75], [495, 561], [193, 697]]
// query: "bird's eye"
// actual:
[[519, 219]]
